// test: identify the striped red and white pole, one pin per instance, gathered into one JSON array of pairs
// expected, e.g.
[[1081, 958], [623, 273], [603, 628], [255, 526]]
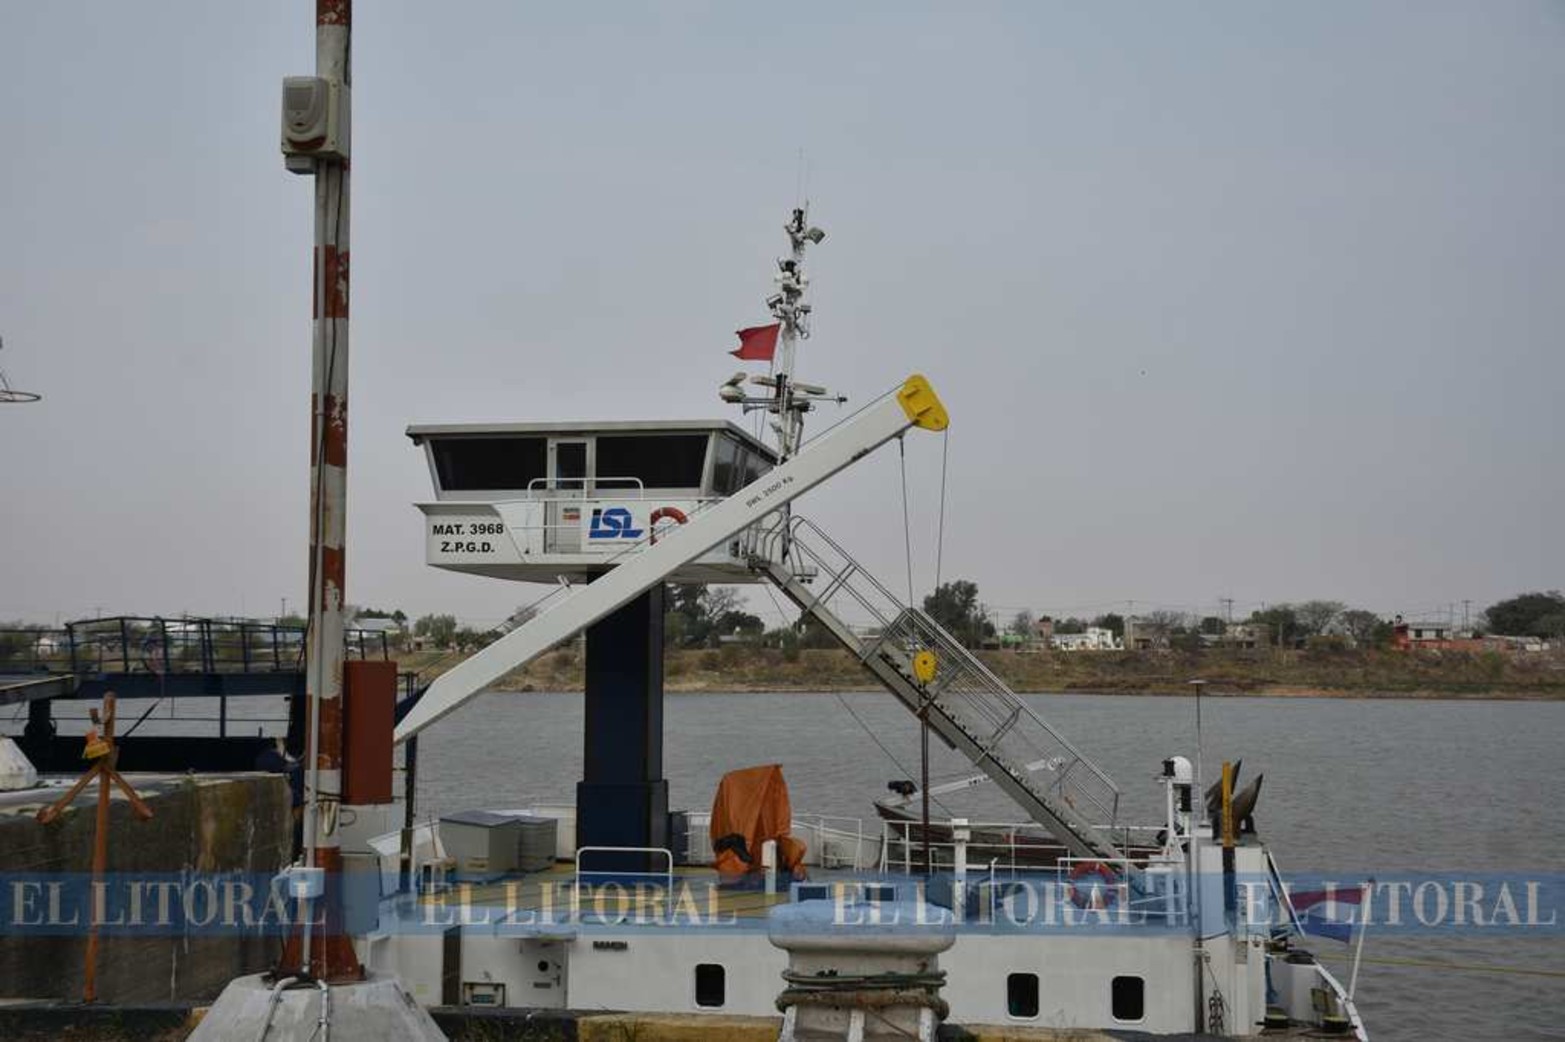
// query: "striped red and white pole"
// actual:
[[324, 950]]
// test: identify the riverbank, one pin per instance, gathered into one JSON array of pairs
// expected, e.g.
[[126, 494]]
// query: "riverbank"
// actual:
[[1316, 673]]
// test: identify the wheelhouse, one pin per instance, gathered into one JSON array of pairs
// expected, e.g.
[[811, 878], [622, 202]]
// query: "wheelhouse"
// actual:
[[544, 501]]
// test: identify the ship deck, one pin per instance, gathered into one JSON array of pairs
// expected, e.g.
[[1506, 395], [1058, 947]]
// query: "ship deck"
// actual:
[[638, 898], [559, 898]]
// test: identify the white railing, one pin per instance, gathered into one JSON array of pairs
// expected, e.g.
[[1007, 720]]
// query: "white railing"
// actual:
[[849, 831], [902, 847], [667, 875], [1165, 902], [824, 835], [562, 485]]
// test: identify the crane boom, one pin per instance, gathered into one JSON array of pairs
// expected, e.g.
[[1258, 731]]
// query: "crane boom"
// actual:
[[914, 404]]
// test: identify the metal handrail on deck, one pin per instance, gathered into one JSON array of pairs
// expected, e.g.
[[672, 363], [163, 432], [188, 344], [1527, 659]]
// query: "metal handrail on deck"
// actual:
[[554, 485], [152, 644], [667, 855], [819, 823], [1020, 836]]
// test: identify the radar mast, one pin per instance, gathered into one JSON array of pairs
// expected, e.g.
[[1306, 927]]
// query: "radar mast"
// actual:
[[788, 398]]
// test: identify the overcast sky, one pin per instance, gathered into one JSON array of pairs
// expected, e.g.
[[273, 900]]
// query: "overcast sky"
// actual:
[[1260, 301]]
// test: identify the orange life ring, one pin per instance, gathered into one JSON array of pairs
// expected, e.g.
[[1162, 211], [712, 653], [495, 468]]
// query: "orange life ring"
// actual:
[[1094, 897], [660, 514]]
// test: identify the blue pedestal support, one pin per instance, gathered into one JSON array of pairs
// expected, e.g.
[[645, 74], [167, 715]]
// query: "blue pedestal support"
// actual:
[[622, 799]]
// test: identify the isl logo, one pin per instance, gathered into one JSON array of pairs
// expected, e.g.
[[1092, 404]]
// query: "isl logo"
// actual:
[[613, 523]]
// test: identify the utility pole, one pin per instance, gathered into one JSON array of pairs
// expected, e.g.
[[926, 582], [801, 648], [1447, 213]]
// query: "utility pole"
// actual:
[[315, 141], [1466, 622], [1228, 609]]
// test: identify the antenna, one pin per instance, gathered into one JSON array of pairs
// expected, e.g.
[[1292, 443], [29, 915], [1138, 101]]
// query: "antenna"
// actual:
[[788, 400], [11, 395], [789, 307]]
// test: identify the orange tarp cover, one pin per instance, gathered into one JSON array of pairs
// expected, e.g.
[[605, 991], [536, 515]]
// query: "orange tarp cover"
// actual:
[[751, 807]]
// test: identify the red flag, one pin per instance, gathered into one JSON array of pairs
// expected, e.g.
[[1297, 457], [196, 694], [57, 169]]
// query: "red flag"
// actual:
[[757, 344]]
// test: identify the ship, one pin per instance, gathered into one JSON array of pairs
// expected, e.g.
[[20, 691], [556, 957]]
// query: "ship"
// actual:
[[1066, 917]]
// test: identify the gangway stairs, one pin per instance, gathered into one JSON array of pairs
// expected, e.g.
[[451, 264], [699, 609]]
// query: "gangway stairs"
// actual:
[[967, 705]]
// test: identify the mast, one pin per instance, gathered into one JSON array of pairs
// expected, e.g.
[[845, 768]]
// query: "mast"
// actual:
[[789, 399], [315, 142], [790, 309]]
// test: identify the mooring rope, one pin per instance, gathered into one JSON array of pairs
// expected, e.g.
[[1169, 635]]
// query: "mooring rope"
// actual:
[[940, 537], [907, 526]]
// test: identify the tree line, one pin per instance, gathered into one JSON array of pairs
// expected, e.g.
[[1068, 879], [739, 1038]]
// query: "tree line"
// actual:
[[957, 607], [701, 616]]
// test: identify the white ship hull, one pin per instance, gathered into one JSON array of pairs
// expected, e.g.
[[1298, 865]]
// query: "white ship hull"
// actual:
[[554, 940]]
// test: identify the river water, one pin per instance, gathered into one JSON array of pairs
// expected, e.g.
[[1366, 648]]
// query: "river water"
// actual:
[[1353, 788]]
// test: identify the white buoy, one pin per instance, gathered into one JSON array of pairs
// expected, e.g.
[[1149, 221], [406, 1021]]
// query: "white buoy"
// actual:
[[16, 770]]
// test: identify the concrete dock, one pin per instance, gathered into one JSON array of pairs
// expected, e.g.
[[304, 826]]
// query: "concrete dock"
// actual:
[[204, 827]]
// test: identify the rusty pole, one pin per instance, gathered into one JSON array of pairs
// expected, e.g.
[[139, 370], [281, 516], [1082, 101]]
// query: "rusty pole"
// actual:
[[328, 956], [105, 759], [100, 851]]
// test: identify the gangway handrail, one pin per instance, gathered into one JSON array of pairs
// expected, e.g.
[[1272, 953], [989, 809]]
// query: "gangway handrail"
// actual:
[[970, 707], [797, 522]]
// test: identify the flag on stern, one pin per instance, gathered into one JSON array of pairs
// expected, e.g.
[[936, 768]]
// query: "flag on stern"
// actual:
[[1329, 912], [757, 344]]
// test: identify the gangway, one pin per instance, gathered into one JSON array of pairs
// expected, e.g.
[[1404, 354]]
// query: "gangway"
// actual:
[[967, 705], [649, 562]]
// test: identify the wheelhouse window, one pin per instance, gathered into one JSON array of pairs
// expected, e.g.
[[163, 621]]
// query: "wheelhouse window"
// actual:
[[657, 460], [754, 466], [736, 465], [727, 467], [1128, 998], [610, 462], [711, 985], [489, 464], [570, 465], [1021, 995]]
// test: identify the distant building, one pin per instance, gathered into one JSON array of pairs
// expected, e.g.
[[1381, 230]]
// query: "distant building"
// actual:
[[1242, 635], [1095, 638], [1421, 632], [1406, 636], [1141, 635]]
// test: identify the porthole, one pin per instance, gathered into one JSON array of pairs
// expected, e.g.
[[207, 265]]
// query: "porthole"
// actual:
[[1128, 998], [1021, 995], [711, 986]]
